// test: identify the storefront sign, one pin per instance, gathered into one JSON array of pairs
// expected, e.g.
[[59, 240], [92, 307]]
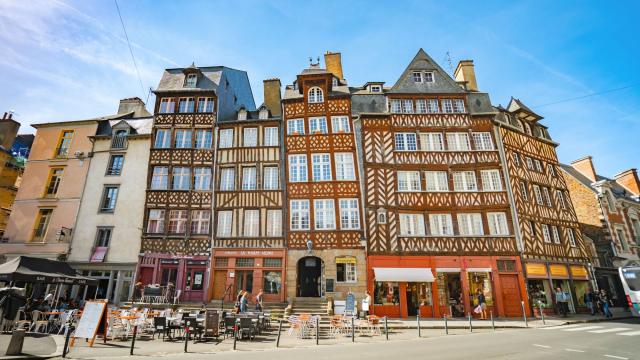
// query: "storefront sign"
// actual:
[[345, 260], [169, 261], [559, 271], [197, 262], [579, 272], [536, 270], [350, 306], [247, 253]]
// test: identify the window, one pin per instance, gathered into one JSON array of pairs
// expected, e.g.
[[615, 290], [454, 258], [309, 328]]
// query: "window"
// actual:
[[103, 237], [440, 224], [298, 168], [245, 262], [274, 223], [221, 262], [396, 106], [272, 281], [483, 141], [119, 139], [295, 127], [177, 221], [551, 169], [344, 166], [349, 214], [202, 178], [167, 105], [458, 142], [538, 194], [200, 221], [183, 139], [299, 215], [270, 178], [406, 142], [115, 165], [109, 197], [41, 225], [458, 106], [324, 214], [571, 236], [163, 139], [316, 95], [318, 125], [64, 144], [547, 197], [251, 224], [412, 225], [409, 181], [421, 106], [186, 105], [437, 181], [529, 163], [242, 114], [181, 178], [447, 105], [250, 137], [417, 76], [191, 80], [538, 165], [272, 262], [271, 136], [249, 178], [346, 270], [560, 199], [226, 138], [376, 88], [635, 224], [464, 181], [205, 105], [431, 142], [227, 179], [160, 178], [428, 77], [610, 201], [321, 167], [55, 177], [622, 239], [432, 106], [155, 223], [263, 114], [524, 191], [516, 159], [497, 223], [407, 106], [382, 216], [491, 180], [555, 235], [532, 227], [545, 233], [470, 224], [225, 219], [203, 139], [340, 124]]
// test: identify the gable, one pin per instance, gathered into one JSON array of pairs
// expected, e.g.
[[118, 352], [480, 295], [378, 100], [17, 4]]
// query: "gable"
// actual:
[[443, 83]]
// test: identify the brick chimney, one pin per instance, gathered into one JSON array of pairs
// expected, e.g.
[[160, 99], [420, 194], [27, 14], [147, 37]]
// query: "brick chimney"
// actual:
[[134, 104], [629, 180], [465, 72], [333, 62], [272, 96], [585, 167]]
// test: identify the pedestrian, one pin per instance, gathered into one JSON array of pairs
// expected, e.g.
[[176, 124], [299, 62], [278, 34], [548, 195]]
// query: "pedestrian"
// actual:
[[561, 302], [604, 299], [259, 300], [244, 302], [589, 300], [482, 304], [238, 300], [366, 302]]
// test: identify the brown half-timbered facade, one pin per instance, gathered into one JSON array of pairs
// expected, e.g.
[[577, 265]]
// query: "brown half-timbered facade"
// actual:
[[248, 243], [554, 252], [176, 241], [439, 226], [326, 255]]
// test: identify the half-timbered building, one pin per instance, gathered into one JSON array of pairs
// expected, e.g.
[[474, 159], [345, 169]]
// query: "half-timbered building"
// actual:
[[553, 249], [325, 245], [248, 245], [439, 229], [176, 240]]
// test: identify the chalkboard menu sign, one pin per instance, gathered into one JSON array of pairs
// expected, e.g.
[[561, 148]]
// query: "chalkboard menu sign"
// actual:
[[329, 285], [350, 306], [92, 322]]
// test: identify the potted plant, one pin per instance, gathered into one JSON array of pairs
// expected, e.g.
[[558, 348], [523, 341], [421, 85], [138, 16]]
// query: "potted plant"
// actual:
[[538, 308]]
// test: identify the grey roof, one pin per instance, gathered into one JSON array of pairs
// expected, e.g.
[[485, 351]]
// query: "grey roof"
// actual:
[[515, 106], [173, 79], [139, 126], [291, 92], [577, 175], [368, 103], [616, 189], [443, 82]]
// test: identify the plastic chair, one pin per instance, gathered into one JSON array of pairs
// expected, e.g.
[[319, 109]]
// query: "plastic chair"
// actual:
[[38, 321]]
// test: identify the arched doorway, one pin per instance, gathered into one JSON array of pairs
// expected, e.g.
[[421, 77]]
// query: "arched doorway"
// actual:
[[309, 277]]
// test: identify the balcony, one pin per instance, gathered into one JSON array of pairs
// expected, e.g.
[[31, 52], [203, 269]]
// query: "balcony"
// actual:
[[118, 142]]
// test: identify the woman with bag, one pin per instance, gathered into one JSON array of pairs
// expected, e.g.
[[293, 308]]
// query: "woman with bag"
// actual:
[[481, 307]]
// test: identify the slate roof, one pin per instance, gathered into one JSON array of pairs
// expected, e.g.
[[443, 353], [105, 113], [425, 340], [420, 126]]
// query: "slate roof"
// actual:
[[516, 106], [173, 79], [616, 189], [422, 62], [139, 126]]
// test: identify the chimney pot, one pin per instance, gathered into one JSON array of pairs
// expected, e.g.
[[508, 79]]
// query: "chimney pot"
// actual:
[[333, 63], [272, 96], [585, 167], [629, 180], [465, 72]]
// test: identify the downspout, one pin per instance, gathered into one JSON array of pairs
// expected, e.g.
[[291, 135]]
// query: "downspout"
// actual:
[[84, 186]]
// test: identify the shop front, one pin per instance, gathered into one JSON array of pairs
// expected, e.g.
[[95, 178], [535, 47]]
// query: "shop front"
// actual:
[[189, 274], [250, 270], [403, 286], [543, 280], [115, 282]]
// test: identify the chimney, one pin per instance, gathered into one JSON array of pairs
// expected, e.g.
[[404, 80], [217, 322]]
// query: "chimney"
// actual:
[[465, 72], [134, 104], [585, 167], [272, 96], [333, 62], [629, 180]]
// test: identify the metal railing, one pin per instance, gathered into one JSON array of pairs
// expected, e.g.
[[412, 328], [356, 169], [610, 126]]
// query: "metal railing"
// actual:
[[119, 142]]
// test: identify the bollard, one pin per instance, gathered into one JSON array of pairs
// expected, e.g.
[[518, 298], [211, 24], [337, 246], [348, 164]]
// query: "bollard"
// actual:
[[542, 315], [279, 331], [353, 330], [493, 324], [386, 328], [66, 343], [419, 332], [317, 331], [470, 324], [524, 315], [235, 335], [446, 327], [186, 335], [133, 339]]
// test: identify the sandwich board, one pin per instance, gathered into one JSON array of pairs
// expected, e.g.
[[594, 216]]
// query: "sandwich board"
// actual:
[[92, 322]]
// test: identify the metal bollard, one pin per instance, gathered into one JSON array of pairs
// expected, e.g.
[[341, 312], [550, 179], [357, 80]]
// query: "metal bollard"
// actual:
[[386, 328], [493, 324], [317, 331], [235, 335], [446, 327], [133, 339], [419, 332], [353, 330], [186, 335], [524, 315], [542, 315], [279, 331], [66, 343], [470, 324]]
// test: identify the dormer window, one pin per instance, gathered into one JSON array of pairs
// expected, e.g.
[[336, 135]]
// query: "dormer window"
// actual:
[[316, 95], [335, 82], [417, 76], [242, 114], [191, 80], [376, 88], [428, 77], [263, 114], [119, 139]]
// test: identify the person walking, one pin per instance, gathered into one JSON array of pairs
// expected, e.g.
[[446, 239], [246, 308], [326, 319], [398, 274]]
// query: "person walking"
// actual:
[[366, 302], [482, 304], [259, 300], [589, 300], [561, 302], [604, 299], [244, 302]]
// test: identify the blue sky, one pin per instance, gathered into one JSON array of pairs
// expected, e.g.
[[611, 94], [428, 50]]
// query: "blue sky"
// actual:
[[63, 59]]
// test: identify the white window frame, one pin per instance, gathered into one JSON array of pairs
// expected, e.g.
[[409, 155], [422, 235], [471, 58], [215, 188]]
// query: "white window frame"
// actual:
[[204, 138], [274, 223], [318, 125], [191, 80], [491, 180], [190, 104], [324, 214], [529, 162], [340, 124], [295, 127], [447, 106], [202, 178], [160, 178], [546, 196], [270, 177], [538, 165], [299, 217], [167, 106], [321, 167], [524, 191], [437, 181], [546, 234], [409, 181], [227, 179], [395, 106], [538, 194], [156, 221], [271, 137], [458, 141], [498, 225], [458, 106], [411, 225], [417, 76], [555, 236], [225, 223], [349, 214], [405, 141], [249, 178], [350, 273], [316, 95], [345, 166], [183, 175], [470, 224], [200, 222], [483, 141], [226, 139], [250, 137], [552, 170], [561, 199], [440, 225], [431, 141], [251, 223], [465, 181], [433, 107], [298, 168], [571, 236], [429, 77], [162, 141], [407, 106], [622, 238], [183, 139], [421, 106]]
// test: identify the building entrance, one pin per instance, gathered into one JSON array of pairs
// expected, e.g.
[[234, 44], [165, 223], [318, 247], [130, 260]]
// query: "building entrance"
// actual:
[[309, 277]]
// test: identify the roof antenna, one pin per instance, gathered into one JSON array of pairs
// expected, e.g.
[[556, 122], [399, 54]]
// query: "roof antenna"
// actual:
[[148, 94], [310, 60], [447, 59]]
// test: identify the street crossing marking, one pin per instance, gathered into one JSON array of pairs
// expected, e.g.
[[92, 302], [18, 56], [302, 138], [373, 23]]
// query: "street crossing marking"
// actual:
[[542, 346], [561, 327], [630, 333], [608, 330], [583, 328], [574, 350], [616, 357]]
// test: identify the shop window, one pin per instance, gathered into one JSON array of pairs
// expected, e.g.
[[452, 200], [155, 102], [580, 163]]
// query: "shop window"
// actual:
[[272, 262], [346, 270], [480, 281], [195, 280], [245, 262], [272, 281], [539, 292], [506, 265], [222, 262], [169, 276], [386, 293], [581, 287]]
